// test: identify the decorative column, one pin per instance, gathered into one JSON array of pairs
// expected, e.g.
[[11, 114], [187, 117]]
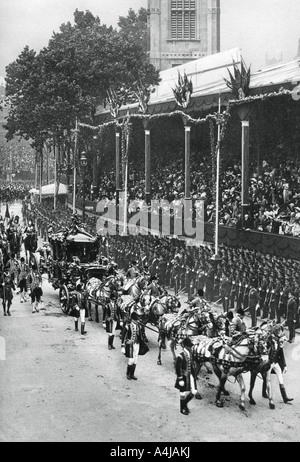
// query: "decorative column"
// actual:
[[244, 111], [245, 169], [147, 162], [117, 137], [187, 157]]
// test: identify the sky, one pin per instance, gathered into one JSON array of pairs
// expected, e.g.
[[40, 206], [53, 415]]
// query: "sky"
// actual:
[[259, 27]]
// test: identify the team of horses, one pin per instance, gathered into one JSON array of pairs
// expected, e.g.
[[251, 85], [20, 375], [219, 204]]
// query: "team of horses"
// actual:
[[253, 351]]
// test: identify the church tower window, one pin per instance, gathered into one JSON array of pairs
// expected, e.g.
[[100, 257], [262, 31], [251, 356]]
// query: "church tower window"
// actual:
[[183, 19]]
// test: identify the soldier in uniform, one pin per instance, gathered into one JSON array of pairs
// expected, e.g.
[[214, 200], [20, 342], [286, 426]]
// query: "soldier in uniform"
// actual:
[[34, 280], [253, 302], [6, 291], [22, 279], [263, 293], [225, 291], [79, 307], [131, 337], [291, 315], [209, 287], [111, 320]]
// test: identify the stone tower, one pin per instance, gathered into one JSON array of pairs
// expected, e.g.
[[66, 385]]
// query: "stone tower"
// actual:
[[182, 30]]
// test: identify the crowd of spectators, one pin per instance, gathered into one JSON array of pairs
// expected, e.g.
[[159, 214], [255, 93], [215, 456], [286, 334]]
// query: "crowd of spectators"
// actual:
[[274, 194], [13, 191]]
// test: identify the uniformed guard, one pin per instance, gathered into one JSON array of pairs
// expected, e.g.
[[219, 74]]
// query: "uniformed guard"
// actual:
[[79, 307], [253, 302], [131, 338], [111, 320], [185, 376]]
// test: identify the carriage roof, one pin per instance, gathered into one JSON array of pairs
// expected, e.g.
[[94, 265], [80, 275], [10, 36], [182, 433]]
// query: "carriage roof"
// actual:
[[74, 242], [74, 235]]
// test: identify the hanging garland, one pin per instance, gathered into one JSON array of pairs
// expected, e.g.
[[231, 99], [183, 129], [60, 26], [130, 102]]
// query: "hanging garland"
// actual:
[[262, 97]]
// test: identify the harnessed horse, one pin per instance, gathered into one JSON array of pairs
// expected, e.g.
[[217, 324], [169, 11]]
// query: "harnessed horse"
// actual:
[[231, 359], [275, 341], [134, 287], [175, 327], [99, 293]]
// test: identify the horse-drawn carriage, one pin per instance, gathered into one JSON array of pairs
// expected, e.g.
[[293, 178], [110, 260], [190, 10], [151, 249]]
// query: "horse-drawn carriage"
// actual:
[[74, 258]]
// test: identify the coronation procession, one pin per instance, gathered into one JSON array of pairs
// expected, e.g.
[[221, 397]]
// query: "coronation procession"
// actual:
[[150, 248]]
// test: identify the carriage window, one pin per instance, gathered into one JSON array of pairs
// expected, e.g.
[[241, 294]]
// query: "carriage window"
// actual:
[[183, 19]]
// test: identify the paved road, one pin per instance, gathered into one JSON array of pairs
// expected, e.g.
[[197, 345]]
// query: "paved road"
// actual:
[[57, 385]]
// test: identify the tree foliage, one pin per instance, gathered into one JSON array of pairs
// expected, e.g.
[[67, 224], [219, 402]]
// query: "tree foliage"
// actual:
[[70, 77]]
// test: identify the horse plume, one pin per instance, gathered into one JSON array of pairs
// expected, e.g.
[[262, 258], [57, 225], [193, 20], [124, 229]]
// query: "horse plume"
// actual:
[[183, 91]]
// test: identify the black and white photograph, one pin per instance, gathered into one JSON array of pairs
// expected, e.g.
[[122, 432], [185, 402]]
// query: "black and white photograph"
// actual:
[[150, 224]]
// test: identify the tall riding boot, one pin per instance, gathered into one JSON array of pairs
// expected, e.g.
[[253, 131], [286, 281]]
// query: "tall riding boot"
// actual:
[[264, 389], [128, 373], [187, 400], [112, 342], [183, 408], [37, 307], [82, 328], [8, 312], [133, 377], [109, 342], [76, 326], [284, 395]]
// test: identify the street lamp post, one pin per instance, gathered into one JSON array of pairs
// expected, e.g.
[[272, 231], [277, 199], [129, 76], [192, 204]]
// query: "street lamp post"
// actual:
[[83, 163]]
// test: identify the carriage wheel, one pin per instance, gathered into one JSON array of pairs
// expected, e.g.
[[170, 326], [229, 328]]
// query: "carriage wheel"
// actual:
[[64, 299]]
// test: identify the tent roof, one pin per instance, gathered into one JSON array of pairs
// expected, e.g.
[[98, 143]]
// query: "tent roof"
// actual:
[[48, 190], [207, 76]]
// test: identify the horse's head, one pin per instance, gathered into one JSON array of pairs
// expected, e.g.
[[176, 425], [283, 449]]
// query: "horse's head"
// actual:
[[172, 303], [145, 299], [258, 343]]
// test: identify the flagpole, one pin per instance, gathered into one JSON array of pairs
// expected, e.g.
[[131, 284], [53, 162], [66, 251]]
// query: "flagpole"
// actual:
[[218, 184], [74, 167], [216, 259]]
